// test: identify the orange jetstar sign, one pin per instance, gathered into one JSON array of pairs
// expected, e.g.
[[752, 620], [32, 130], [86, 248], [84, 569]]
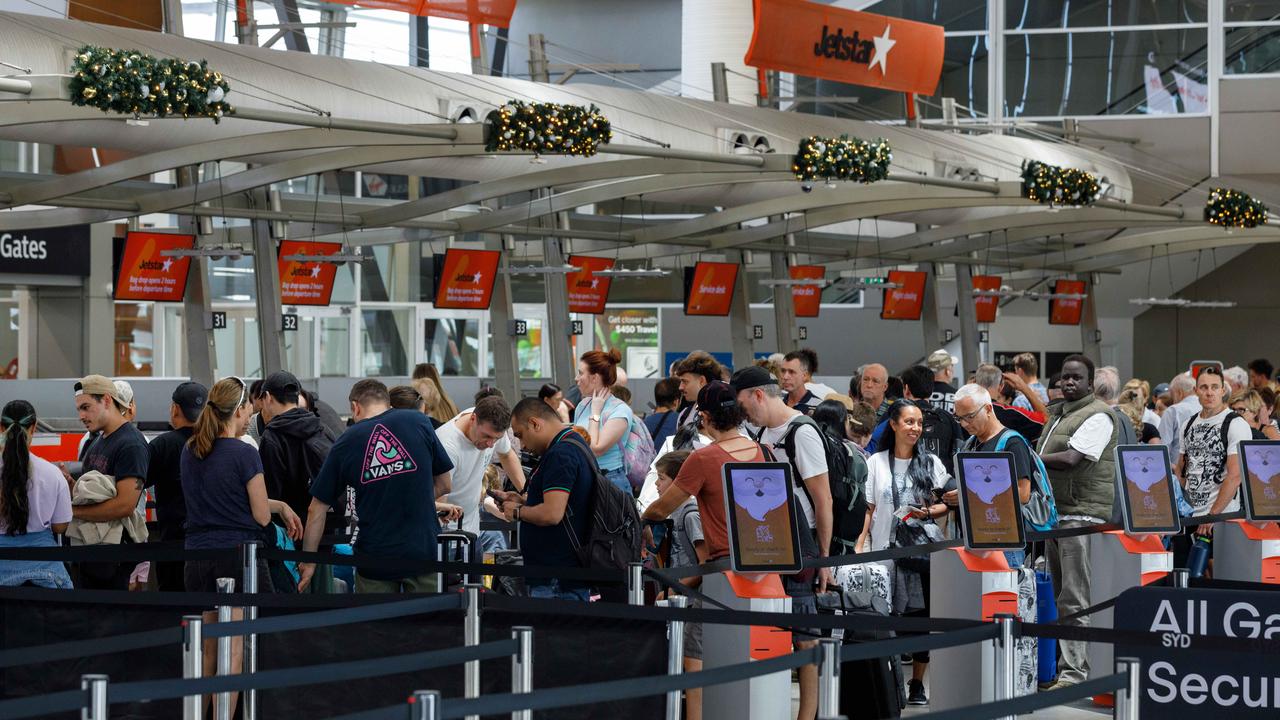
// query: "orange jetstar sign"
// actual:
[[807, 299], [484, 12], [306, 283], [847, 46]]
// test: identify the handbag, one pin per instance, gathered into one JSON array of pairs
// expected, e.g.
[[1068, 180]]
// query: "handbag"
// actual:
[[905, 535]]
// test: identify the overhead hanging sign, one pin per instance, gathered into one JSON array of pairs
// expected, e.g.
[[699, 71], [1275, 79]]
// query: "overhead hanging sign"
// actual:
[[906, 302], [807, 299], [479, 12], [587, 292], [306, 282], [708, 288], [464, 279], [47, 251], [1067, 311], [146, 274], [846, 46], [986, 305]]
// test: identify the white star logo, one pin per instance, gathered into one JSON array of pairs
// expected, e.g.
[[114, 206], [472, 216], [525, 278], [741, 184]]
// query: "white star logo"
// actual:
[[168, 263], [315, 271], [883, 45], [476, 278], [595, 283]]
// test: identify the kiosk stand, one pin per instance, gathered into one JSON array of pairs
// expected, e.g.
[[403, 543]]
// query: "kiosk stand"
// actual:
[[1119, 561], [1248, 551], [970, 584], [760, 698]]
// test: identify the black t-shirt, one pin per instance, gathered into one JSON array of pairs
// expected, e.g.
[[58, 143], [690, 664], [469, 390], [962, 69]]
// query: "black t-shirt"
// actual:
[[165, 475], [1151, 432], [563, 468], [391, 460], [943, 397], [122, 454]]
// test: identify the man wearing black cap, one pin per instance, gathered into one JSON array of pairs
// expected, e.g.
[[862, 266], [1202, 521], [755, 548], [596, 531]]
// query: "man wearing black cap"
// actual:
[[163, 474], [294, 443]]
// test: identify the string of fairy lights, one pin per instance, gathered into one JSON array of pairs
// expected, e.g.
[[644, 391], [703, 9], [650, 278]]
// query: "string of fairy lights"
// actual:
[[1053, 185], [1233, 208], [842, 158], [129, 82], [551, 128]]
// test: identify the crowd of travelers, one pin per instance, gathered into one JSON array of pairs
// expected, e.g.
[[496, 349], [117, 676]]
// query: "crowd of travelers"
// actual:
[[872, 468]]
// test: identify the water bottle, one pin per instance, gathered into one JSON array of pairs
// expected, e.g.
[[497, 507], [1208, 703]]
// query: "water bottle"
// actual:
[[1198, 558]]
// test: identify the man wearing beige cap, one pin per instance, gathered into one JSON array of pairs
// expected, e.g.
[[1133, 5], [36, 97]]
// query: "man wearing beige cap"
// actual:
[[120, 453], [943, 364]]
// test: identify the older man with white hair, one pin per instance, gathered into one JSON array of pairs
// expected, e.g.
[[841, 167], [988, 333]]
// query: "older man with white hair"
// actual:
[[1237, 377], [1183, 403], [1106, 384]]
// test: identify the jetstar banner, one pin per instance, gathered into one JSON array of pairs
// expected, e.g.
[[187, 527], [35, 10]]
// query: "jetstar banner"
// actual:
[[986, 305], [302, 282], [464, 279], [708, 288], [145, 274], [588, 293], [1066, 312], [807, 298], [847, 46], [480, 12], [906, 302]]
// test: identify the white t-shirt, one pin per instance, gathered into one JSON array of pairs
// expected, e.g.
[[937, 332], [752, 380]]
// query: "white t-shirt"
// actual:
[[811, 458], [880, 493], [469, 463], [1091, 438], [1202, 452], [649, 491]]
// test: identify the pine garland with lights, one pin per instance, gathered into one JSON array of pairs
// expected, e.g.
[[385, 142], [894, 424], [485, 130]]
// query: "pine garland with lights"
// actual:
[[134, 83], [1055, 185], [1232, 208], [547, 128], [842, 158]]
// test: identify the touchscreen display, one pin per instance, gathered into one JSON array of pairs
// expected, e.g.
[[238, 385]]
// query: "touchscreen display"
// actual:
[[989, 500], [1146, 489], [762, 521], [1260, 466]]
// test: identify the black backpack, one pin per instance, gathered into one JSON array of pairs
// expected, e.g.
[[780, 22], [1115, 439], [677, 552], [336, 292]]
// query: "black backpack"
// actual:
[[847, 473], [613, 538], [1219, 464], [939, 435]]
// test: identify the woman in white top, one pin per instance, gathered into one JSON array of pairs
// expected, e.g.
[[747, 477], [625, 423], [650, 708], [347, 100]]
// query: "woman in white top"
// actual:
[[905, 482], [35, 502]]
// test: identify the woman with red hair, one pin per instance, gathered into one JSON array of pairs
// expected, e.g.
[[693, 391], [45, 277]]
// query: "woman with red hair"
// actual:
[[606, 418]]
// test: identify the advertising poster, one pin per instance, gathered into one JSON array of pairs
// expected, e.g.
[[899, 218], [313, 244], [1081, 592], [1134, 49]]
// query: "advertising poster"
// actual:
[[465, 279], [906, 302], [588, 293], [708, 288], [145, 274], [306, 283], [634, 333], [1067, 312], [986, 305], [807, 298]]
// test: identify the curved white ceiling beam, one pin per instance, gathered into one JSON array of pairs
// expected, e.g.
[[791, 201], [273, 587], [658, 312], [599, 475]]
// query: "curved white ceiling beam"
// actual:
[[1202, 236]]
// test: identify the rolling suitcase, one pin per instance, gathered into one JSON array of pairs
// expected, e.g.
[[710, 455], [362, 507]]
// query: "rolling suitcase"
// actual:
[[456, 545], [872, 688]]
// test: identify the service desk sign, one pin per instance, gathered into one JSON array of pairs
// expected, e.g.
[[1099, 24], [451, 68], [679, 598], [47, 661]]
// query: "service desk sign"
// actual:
[[986, 306], [709, 288], [146, 273], [588, 292], [47, 251], [1183, 680], [807, 299], [847, 46], [307, 282]]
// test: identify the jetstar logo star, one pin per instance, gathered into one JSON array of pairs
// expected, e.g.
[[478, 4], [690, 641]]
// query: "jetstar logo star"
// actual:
[[853, 48]]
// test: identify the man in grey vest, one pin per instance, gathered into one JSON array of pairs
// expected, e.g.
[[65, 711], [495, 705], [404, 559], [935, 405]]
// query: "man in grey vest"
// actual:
[[1077, 449]]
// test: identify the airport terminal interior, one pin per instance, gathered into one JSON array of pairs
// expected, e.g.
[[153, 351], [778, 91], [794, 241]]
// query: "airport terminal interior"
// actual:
[[748, 359]]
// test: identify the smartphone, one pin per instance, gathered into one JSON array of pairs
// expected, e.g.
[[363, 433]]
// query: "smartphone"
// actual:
[[497, 496]]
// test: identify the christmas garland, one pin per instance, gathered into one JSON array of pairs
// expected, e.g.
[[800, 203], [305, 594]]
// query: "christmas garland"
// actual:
[[842, 158], [1055, 185], [550, 128], [133, 83], [1232, 208]]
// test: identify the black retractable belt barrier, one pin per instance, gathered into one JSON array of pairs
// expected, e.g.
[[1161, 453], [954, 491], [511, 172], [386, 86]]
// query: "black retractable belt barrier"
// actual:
[[457, 568], [332, 618], [392, 712], [917, 643], [89, 648], [38, 705], [189, 601], [135, 552], [1031, 703]]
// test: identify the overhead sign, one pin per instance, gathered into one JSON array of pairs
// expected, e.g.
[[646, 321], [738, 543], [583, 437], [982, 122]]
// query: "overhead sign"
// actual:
[[145, 274], [48, 251], [708, 288], [588, 293], [906, 302], [1067, 311], [478, 12], [1179, 678], [306, 283], [464, 279], [986, 305], [846, 46], [807, 299]]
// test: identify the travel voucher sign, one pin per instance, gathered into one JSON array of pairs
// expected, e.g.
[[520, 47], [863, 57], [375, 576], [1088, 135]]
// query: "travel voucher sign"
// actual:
[[708, 288], [306, 283], [587, 292], [146, 274], [807, 299], [465, 279], [906, 302], [846, 46], [1067, 311], [986, 305]]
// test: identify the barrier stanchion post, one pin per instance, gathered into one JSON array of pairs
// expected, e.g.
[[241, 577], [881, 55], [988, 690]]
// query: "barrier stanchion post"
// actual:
[[522, 667], [675, 654], [829, 678], [1006, 664], [1128, 696], [222, 703], [95, 689], [192, 663], [1181, 578], [426, 705], [249, 556], [635, 584], [471, 636]]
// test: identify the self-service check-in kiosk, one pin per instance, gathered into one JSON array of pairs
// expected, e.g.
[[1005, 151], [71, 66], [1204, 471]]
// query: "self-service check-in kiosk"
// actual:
[[1249, 549]]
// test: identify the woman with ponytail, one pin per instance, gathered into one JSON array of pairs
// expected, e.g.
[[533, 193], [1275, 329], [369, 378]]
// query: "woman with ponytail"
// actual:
[[35, 502], [606, 418]]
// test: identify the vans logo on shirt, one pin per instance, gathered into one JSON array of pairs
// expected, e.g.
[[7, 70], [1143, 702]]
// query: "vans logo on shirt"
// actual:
[[385, 456]]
